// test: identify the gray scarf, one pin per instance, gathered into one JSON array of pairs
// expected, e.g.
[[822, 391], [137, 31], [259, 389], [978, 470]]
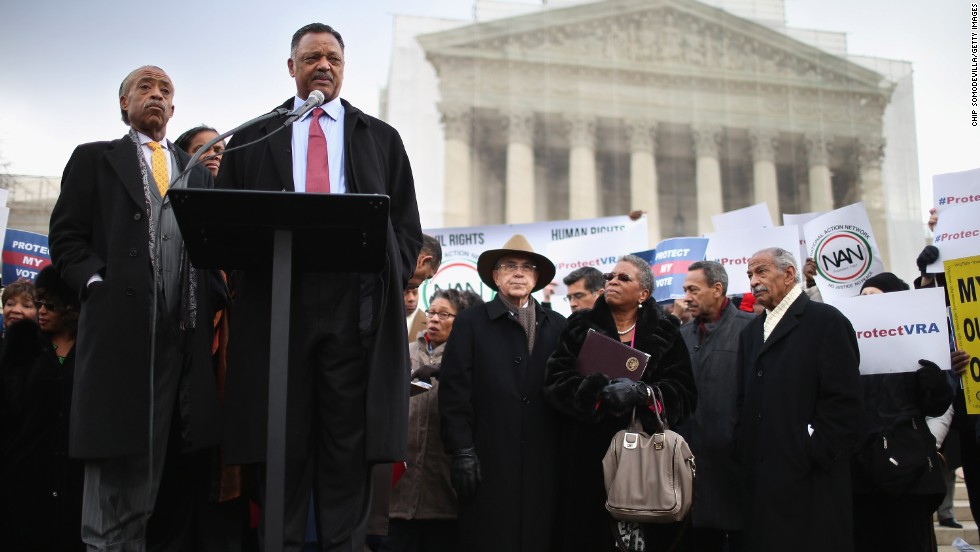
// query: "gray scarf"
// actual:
[[527, 317], [188, 277]]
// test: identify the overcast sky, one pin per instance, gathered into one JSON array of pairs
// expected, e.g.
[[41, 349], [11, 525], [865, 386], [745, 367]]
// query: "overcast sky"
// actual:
[[61, 63]]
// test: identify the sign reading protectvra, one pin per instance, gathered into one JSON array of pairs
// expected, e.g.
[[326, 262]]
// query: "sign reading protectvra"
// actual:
[[843, 255]]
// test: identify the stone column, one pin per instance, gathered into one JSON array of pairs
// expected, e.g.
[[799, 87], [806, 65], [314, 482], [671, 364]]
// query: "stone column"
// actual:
[[818, 157], [457, 200], [870, 153], [643, 174], [707, 138], [583, 194], [763, 143], [519, 206]]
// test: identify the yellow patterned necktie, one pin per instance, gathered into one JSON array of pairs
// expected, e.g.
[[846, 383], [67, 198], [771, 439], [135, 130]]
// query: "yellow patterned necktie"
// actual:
[[159, 161]]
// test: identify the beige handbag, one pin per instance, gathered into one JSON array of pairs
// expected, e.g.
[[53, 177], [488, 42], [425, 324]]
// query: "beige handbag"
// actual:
[[649, 478]]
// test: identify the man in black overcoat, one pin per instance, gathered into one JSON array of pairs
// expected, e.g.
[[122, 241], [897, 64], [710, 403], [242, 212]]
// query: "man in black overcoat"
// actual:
[[348, 354], [800, 414], [111, 231], [501, 434]]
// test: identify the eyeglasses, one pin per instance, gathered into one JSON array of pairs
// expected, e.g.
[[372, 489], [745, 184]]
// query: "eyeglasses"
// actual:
[[50, 306], [621, 276], [513, 267], [440, 315], [579, 296]]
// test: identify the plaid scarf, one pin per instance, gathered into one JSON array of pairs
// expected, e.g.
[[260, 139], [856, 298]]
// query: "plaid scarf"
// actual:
[[527, 317]]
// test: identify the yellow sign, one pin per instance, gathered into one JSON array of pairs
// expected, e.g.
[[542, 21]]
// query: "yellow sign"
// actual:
[[963, 290]]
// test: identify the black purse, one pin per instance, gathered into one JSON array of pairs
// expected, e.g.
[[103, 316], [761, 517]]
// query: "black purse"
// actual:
[[896, 458]]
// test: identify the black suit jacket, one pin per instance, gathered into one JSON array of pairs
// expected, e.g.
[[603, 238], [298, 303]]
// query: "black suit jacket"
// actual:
[[806, 373], [100, 226], [375, 163]]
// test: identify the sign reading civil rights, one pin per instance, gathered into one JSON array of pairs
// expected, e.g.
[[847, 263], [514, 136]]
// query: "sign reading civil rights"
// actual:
[[895, 330], [844, 248], [957, 234], [963, 290], [734, 248], [570, 244], [955, 189], [753, 216], [669, 263], [24, 255]]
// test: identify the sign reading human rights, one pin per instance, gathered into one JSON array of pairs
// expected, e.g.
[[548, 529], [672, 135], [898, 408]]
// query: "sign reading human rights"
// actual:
[[963, 289], [24, 255], [955, 189], [734, 248], [957, 235], [844, 249], [570, 244], [669, 264], [895, 330]]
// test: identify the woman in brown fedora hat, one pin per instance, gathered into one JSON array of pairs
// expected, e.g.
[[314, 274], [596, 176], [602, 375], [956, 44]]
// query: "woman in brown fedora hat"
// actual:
[[496, 426]]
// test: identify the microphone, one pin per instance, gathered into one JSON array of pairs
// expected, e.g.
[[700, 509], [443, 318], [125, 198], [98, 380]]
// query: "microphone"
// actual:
[[315, 99]]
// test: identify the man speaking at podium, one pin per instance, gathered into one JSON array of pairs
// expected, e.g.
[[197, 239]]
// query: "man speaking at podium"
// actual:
[[347, 401]]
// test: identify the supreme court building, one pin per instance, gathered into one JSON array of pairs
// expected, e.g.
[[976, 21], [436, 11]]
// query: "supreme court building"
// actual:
[[682, 108]]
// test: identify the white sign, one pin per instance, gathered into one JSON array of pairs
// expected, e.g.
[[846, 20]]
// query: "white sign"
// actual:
[[955, 189], [957, 235], [895, 330], [605, 240], [798, 221], [754, 216], [844, 249], [734, 248]]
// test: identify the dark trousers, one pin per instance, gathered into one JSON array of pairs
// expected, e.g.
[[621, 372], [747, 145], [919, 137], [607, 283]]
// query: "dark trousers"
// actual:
[[893, 524], [970, 455], [420, 535], [325, 415], [705, 539]]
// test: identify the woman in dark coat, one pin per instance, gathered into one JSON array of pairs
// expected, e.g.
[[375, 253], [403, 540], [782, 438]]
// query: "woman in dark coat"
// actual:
[[893, 511], [595, 408], [42, 501]]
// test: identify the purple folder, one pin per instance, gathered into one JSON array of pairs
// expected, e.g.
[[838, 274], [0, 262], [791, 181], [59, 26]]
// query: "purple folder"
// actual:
[[603, 354]]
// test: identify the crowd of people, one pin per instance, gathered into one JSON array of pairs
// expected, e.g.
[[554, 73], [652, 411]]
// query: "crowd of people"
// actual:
[[133, 386]]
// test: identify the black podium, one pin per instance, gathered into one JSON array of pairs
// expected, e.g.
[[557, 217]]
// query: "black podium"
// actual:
[[239, 230]]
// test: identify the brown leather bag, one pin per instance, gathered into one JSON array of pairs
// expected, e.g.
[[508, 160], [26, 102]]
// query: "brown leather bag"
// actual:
[[649, 478]]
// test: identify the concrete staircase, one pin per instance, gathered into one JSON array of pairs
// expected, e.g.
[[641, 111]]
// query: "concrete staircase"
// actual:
[[961, 510]]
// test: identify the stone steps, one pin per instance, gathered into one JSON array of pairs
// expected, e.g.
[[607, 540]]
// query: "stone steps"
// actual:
[[961, 510]]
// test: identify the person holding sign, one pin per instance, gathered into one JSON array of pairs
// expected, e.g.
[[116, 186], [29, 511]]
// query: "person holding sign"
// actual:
[[595, 407], [897, 475], [799, 414]]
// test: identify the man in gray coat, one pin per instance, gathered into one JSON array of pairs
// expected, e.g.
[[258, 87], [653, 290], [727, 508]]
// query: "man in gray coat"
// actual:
[[712, 341]]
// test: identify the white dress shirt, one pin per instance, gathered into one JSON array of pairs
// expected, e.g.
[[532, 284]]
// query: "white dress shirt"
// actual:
[[332, 124]]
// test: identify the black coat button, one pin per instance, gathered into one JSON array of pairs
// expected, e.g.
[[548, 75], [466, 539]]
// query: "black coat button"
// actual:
[[760, 373], [130, 291], [517, 360], [132, 252], [137, 216]]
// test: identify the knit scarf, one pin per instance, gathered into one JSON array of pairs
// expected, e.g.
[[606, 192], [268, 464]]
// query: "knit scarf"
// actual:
[[527, 317], [188, 277]]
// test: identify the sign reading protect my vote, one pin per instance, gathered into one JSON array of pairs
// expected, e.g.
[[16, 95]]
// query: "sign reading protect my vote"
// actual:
[[895, 330], [670, 261], [24, 255], [734, 248], [957, 235]]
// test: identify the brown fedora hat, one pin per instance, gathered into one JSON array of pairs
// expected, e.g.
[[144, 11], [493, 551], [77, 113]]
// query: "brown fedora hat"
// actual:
[[516, 245]]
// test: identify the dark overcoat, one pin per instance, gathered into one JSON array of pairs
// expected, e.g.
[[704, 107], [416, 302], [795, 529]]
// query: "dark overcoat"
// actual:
[[584, 523], [711, 430], [492, 397], [375, 163], [798, 486], [100, 226]]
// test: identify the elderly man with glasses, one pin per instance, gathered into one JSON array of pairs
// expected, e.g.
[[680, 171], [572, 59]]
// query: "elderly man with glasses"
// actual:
[[496, 427]]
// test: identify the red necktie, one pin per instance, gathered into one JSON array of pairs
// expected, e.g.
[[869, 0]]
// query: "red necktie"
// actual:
[[317, 161]]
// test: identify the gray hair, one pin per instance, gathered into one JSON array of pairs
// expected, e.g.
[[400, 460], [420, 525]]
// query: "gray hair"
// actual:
[[782, 259], [714, 272], [643, 268]]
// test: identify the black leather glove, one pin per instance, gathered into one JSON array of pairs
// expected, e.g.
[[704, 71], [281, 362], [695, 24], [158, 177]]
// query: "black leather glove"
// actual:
[[465, 471], [426, 371], [933, 392], [623, 394], [928, 256]]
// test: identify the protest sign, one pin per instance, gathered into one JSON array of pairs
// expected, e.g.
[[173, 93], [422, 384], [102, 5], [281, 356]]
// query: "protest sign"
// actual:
[[895, 330], [24, 255], [844, 248], [570, 244], [734, 248], [957, 235], [798, 221], [962, 284], [955, 189], [754, 216], [669, 264]]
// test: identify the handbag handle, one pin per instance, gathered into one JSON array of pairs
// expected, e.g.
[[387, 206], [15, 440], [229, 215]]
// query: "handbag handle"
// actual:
[[659, 408]]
